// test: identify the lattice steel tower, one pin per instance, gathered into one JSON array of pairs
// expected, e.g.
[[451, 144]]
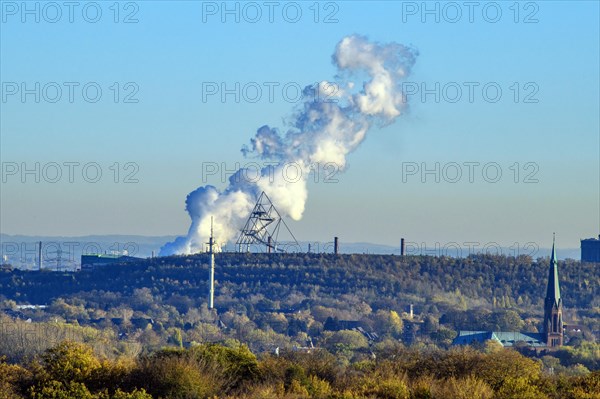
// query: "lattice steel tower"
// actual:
[[263, 227]]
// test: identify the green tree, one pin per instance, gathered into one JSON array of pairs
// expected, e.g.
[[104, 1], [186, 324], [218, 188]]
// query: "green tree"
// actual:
[[388, 322], [135, 394], [10, 376], [462, 388], [58, 390], [69, 362], [506, 320], [344, 340], [519, 388], [507, 364]]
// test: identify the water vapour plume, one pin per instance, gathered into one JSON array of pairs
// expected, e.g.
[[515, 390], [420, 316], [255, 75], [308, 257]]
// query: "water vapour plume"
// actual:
[[321, 132]]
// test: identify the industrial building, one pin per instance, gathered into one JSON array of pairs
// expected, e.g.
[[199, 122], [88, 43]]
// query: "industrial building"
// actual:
[[88, 262], [590, 250]]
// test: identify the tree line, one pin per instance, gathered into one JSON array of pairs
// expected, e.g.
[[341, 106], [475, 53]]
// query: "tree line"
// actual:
[[72, 370]]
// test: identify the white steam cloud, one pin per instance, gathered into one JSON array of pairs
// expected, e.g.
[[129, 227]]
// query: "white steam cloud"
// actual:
[[329, 125]]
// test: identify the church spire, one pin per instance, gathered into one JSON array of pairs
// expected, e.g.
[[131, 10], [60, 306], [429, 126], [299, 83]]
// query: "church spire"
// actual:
[[553, 290], [553, 308]]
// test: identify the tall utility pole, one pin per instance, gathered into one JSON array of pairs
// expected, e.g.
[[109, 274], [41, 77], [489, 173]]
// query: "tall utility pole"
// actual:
[[212, 267]]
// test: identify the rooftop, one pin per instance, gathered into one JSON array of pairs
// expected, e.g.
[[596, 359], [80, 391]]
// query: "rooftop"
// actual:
[[591, 239], [505, 338]]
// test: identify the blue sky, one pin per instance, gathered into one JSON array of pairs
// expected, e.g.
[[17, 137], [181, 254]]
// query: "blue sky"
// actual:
[[175, 49]]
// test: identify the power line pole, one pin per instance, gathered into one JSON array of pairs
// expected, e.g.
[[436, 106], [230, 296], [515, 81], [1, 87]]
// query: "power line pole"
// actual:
[[212, 267]]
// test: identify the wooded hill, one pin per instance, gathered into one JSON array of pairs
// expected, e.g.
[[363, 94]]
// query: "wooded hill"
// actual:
[[346, 283]]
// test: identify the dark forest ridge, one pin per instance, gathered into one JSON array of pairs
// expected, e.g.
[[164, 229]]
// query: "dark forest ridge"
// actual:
[[380, 280]]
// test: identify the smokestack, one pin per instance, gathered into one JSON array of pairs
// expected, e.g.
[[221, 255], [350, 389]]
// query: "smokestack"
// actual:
[[402, 247], [309, 248], [336, 246], [411, 311], [152, 254], [212, 268], [40, 256]]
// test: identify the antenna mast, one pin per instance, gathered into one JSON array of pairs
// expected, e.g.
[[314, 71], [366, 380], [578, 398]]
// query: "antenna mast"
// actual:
[[212, 267], [40, 256]]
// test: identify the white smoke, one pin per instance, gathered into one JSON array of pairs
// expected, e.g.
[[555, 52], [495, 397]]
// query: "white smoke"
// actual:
[[330, 124]]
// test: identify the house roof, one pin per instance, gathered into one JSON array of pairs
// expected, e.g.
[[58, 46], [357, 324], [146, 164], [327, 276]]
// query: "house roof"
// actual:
[[505, 338]]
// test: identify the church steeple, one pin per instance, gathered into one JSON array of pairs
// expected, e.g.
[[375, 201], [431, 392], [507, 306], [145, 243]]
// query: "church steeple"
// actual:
[[553, 322], [553, 290]]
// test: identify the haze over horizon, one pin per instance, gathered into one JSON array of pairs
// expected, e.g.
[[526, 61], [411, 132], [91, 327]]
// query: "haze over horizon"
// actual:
[[480, 166]]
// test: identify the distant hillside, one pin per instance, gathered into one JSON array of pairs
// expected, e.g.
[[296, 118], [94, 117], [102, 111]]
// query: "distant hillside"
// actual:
[[296, 280], [274, 300]]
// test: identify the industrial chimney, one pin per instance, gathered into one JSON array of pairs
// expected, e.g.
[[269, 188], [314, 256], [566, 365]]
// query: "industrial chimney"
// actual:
[[402, 247], [40, 256], [336, 246]]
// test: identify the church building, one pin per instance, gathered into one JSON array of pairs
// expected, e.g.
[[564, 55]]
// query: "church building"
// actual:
[[553, 308], [552, 334]]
